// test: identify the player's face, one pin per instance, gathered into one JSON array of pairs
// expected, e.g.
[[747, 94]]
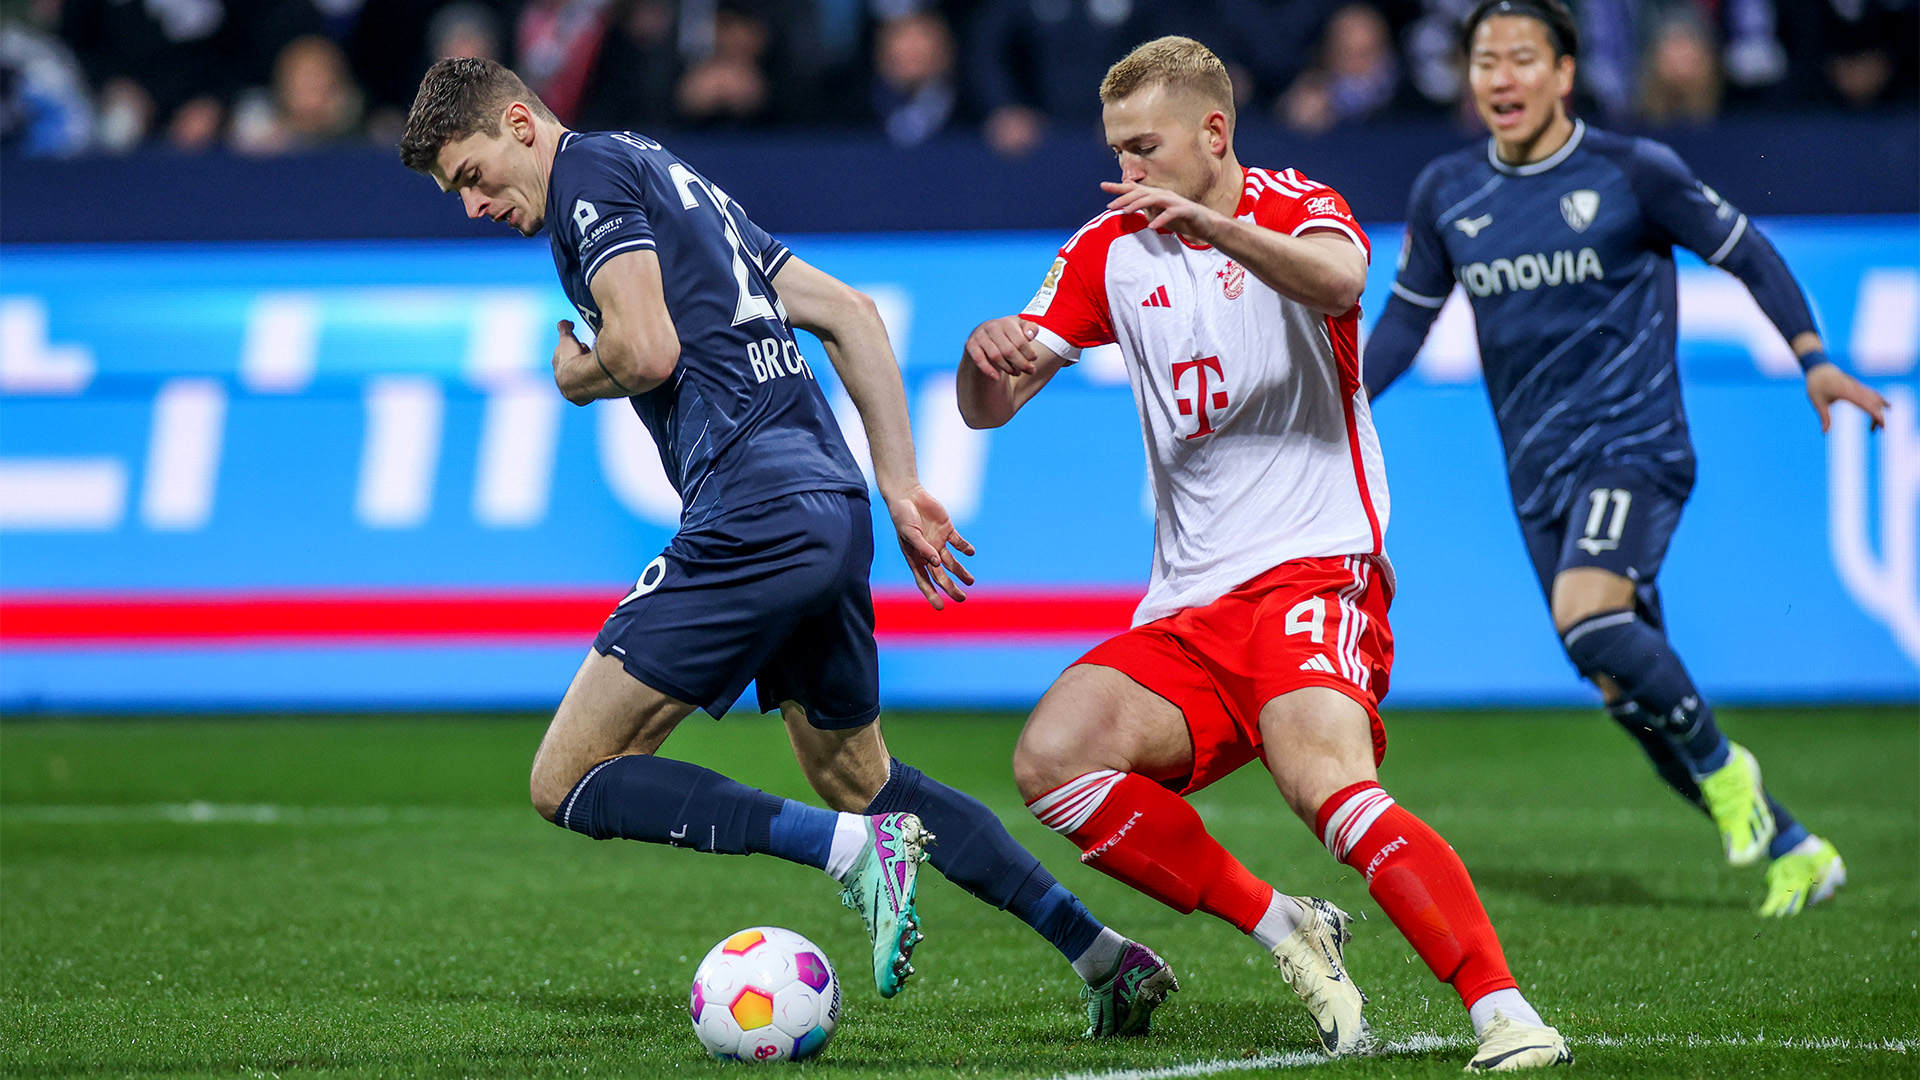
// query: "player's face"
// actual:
[[497, 176], [1164, 140], [1519, 86]]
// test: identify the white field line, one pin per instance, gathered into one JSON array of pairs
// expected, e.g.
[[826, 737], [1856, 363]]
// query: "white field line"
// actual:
[[207, 813], [1424, 1043]]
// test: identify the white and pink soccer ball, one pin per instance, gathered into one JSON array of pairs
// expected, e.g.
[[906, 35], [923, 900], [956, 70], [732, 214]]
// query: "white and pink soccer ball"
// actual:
[[765, 994]]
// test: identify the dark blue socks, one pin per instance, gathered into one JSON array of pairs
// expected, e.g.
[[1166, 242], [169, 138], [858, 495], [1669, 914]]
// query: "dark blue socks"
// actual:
[[1789, 830], [974, 851], [662, 801], [1637, 658], [1662, 710], [1659, 750]]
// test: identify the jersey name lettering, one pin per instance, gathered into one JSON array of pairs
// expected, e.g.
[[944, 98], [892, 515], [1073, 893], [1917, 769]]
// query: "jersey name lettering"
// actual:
[[772, 357]]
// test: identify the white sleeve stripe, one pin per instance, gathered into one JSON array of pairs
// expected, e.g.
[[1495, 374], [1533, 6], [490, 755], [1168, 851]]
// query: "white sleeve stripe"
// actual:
[[774, 264], [1075, 238], [1739, 230], [1336, 223], [1047, 338], [594, 266], [1412, 297]]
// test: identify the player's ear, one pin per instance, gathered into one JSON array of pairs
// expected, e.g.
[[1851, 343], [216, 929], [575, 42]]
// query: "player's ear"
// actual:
[[1564, 69], [518, 122], [1219, 132]]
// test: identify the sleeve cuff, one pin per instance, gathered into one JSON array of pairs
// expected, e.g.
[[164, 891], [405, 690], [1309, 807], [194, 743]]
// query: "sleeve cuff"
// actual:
[[1055, 343], [1336, 223], [601, 259]]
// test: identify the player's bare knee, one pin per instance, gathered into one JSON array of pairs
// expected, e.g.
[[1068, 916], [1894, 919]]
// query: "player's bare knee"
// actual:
[[1064, 738], [1048, 754], [1585, 591]]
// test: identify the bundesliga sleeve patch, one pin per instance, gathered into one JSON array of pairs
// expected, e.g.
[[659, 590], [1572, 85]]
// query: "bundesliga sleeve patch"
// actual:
[[1043, 299]]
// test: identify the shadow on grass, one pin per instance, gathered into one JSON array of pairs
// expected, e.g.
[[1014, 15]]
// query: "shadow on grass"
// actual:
[[1588, 888]]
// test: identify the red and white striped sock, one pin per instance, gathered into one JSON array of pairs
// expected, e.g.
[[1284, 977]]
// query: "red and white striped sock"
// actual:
[[1420, 883], [1132, 829]]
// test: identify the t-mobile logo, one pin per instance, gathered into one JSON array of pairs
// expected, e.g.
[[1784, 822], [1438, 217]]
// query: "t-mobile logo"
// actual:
[[1201, 401]]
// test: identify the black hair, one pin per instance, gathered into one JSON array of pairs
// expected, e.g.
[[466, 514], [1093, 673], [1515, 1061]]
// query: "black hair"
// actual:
[[1562, 33]]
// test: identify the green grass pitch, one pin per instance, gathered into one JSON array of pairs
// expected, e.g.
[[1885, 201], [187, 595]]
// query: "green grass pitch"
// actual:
[[351, 897]]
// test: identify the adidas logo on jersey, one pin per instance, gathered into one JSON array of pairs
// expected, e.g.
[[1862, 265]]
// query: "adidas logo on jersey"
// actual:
[[1319, 663], [1157, 298]]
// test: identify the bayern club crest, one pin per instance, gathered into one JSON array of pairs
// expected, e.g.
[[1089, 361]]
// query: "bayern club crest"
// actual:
[[1233, 280]]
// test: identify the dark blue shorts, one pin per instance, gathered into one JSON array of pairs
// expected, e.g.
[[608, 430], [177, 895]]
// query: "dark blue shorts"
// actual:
[[774, 593], [1621, 519]]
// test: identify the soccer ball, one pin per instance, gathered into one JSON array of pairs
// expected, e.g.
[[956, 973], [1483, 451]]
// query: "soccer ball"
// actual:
[[765, 994]]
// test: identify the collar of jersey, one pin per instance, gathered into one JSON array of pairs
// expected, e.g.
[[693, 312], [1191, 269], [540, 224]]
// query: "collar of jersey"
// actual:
[[1558, 156]]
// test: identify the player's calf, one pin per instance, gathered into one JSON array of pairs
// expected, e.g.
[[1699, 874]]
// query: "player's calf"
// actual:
[[1418, 880]]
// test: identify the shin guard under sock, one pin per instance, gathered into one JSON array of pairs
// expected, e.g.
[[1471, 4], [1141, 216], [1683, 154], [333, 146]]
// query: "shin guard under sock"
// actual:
[[1420, 883], [1660, 751], [661, 801], [1132, 829], [1637, 657]]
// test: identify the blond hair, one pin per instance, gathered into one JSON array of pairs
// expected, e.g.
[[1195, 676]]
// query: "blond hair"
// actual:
[[1177, 63]]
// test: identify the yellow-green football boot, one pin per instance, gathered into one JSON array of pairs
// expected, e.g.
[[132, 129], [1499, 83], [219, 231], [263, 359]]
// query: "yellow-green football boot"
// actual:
[[1738, 805], [1809, 874]]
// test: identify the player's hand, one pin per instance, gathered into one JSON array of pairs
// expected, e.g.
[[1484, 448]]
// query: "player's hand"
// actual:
[[1165, 210], [929, 541], [567, 348], [1826, 384], [1004, 346]]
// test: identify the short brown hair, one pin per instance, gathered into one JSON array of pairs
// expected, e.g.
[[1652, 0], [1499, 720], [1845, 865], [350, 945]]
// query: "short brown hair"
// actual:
[[1177, 63], [460, 97]]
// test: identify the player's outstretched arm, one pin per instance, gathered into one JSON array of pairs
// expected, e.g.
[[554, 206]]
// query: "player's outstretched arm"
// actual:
[[1757, 263], [637, 347], [848, 325], [1001, 369], [1708, 226]]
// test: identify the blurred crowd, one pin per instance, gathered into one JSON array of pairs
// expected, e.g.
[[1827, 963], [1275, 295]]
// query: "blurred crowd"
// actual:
[[273, 76]]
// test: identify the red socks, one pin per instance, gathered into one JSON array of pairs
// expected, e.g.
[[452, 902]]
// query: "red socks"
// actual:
[[1130, 828], [1421, 884]]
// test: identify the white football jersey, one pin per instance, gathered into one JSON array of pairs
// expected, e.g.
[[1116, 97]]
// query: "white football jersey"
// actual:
[[1260, 445]]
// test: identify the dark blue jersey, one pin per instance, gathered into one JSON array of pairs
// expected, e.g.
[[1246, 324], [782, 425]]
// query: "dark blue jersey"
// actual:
[[1568, 264], [742, 419]]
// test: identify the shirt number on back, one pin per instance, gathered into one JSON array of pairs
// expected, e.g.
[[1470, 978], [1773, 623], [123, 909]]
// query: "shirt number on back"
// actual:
[[750, 305]]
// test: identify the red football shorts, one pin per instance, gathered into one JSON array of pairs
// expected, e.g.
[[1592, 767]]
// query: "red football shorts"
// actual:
[[1308, 622]]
